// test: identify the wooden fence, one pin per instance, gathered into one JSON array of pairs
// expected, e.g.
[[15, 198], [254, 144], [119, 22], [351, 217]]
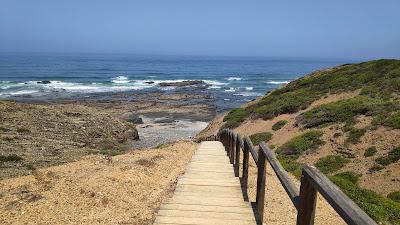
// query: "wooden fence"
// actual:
[[312, 182]]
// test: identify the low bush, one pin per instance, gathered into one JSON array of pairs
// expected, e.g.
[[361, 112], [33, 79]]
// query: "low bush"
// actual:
[[23, 130], [349, 176], [370, 151], [234, 118], [278, 125], [304, 142], [383, 210], [395, 196], [375, 168], [331, 163], [393, 121], [10, 158], [3, 129], [355, 135], [291, 165], [392, 157], [337, 134], [259, 137]]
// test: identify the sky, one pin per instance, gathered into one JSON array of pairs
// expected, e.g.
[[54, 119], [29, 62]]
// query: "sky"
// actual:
[[362, 29]]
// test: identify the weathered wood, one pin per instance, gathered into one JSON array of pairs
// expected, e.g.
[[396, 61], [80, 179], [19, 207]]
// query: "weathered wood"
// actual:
[[260, 184], [237, 155], [232, 147], [208, 192], [342, 204], [245, 172], [282, 175], [308, 200], [251, 149]]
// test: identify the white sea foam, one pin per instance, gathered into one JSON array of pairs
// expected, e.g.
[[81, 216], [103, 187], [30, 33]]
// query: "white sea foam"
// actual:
[[234, 78], [277, 82], [248, 94], [120, 80], [249, 88], [231, 89]]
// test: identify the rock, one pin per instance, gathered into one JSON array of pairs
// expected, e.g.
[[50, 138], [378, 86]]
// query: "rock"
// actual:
[[182, 83], [44, 82], [132, 118], [149, 82], [132, 134]]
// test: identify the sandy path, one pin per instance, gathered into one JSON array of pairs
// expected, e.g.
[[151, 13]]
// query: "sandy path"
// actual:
[[125, 189]]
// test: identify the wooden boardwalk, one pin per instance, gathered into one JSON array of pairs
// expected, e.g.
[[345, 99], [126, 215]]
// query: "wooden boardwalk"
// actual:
[[208, 192]]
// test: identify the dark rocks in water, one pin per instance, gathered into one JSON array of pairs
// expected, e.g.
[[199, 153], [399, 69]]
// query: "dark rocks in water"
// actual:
[[132, 118], [182, 83], [132, 134], [165, 120], [44, 82], [149, 82]]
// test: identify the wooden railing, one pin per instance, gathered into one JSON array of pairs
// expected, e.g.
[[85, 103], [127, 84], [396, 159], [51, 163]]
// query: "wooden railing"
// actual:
[[312, 182]]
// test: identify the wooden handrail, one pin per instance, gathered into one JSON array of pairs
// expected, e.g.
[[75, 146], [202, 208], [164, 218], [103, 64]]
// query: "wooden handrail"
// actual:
[[282, 175], [312, 181]]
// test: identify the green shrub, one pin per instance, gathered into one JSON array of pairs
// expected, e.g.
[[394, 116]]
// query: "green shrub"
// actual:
[[370, 151], [331, 163], [378, 207], [297, 145], [259, 137], [393, 121], [3, 129], [278, 125], [234, 118], [392, 157], [23, 130], [290, 165], [355, 135], [349, 176], [375, 168], [395, 196], [10, 158], [337, 134]]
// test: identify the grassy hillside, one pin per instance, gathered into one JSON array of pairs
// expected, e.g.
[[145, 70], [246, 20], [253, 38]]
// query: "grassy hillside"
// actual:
[[379, 82], [344, 120]]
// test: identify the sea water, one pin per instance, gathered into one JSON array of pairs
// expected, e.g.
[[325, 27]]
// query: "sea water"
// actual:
[[231, 81]]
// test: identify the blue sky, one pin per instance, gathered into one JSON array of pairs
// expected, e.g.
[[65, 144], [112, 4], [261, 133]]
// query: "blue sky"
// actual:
[[363, 29]]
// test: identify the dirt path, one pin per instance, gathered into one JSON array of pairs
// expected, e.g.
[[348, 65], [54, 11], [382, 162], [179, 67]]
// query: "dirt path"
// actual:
[[125, 189]]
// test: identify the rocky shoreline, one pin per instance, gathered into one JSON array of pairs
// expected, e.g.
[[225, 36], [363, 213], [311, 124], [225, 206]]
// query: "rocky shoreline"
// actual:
[[42, 134]]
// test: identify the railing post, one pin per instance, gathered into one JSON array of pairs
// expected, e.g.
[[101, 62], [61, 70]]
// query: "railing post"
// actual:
[[308, 197], [237, 159], [228, 144], [245, 173], [260, 184], [233, 143]]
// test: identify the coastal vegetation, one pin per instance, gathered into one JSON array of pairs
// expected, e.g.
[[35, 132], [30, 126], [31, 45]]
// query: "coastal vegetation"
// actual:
[[378, 81], [278, 125], [370, 151], [259, 137], [304, 142]]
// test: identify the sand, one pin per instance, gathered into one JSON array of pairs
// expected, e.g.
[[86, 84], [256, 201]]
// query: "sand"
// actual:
[[125, 189]]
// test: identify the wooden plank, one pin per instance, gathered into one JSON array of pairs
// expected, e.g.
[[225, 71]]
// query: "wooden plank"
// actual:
[[208, 188], [199, 221], [198, 214], [202, 201]]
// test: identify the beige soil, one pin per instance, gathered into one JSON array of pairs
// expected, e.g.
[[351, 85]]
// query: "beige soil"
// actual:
[[125, 189]]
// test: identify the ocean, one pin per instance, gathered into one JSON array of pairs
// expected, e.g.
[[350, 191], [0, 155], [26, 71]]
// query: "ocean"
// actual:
[[231, 81]]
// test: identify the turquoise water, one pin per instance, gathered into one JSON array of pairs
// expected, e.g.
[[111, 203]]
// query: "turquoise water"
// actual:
[[230, 80]]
